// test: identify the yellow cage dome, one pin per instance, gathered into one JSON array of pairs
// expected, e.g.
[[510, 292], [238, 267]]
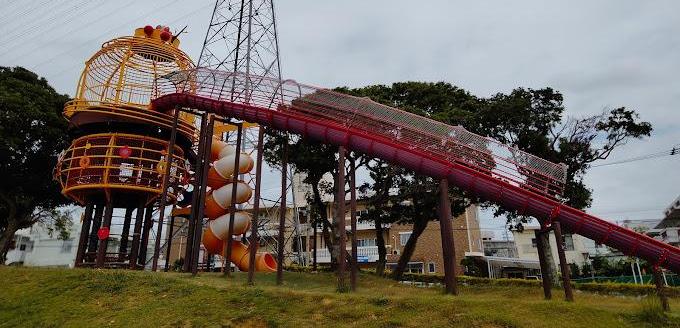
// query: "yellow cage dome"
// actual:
[[119, 81]]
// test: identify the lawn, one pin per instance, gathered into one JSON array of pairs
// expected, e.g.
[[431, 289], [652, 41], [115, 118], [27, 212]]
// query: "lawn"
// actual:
[[81, 297]]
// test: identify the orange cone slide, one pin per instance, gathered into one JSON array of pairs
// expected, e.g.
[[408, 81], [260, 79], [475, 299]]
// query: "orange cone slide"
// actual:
[[218, 202]]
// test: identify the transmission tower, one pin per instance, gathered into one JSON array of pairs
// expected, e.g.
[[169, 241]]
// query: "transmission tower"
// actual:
[[242, 38]]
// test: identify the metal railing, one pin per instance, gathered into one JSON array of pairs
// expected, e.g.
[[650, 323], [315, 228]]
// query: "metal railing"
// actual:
[[453, 143]]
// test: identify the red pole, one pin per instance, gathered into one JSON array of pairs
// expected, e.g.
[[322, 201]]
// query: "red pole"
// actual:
[[282, 212], [254, 242], [103, 242], [198, 228], [232, 208], [84, 231], [340, 220], [165, 185], [134, 249], [353, 210], [448, 246]]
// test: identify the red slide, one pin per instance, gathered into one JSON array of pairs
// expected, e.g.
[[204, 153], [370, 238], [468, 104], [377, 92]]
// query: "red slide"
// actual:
[[480, 165]]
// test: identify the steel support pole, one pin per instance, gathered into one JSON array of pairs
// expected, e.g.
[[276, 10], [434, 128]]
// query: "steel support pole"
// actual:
[[103, 243], [353, 210], [340, 220], [661, 290], [448, 246], [84, 232], [198, 228], [164, 187], [545, 267], [564, 266], [122, 249], [136, 234], [254, 241], [232, 207], [168, 244], [96, 224], [144, 246], [280, 241], [195, 194]]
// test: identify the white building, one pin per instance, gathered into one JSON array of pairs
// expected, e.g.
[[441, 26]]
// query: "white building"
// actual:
[[35, 247], [575, 246]]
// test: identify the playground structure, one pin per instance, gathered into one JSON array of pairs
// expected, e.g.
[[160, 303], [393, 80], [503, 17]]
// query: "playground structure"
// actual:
[[140, 100], [130, 157]]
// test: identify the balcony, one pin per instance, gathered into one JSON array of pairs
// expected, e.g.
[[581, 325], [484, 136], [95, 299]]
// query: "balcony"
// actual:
[[365, 254]]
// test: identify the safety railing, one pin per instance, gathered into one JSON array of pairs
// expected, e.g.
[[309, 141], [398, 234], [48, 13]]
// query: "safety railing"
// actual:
[[453, 143], [125, 162]]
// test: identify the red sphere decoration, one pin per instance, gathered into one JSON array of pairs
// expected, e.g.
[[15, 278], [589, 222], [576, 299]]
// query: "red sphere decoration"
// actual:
[[166, 29], [148, 30], [165, 35], [103, 233], [124, 152]]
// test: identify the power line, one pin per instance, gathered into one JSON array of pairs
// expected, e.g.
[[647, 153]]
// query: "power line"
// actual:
[[670, 152]]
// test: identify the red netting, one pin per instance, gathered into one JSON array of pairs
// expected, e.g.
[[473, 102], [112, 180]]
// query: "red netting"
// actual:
[[453, 143]]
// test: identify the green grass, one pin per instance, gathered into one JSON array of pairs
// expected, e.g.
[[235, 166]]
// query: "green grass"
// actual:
[[81, 297]]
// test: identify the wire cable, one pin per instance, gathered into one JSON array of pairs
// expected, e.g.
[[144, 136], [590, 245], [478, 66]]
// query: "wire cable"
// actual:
[[671, 152]]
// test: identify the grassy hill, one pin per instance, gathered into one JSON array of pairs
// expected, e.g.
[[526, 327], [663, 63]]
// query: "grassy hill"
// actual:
[[81, 297]]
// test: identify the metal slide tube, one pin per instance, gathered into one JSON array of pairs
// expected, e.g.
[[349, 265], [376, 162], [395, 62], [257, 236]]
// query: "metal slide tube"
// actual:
[[406, 155]]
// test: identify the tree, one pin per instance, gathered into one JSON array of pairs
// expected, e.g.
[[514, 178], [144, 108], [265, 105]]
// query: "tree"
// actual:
[[32, 134], [529, 119], [314, 161]]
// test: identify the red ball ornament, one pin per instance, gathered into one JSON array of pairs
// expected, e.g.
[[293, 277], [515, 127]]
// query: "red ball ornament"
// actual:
[[165, 35], [103, 233], [166, 29], [148, 30], [124, 152]]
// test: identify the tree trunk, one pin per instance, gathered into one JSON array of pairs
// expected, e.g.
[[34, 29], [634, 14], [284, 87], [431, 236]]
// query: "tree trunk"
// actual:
[[5, 241], [549, 274], [326, 228], [382, 250], [419, 226]]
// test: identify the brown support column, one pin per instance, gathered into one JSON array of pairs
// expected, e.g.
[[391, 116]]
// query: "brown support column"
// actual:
[[148, 224], [195, 195], [198, 228], [136, 234], [564, 267], [169, 160], [353, 210], [661, 290], [448, 246], [122, 250], [254, 241], [232, 207], [168, 244], [546, 279], [282, 213], [103, 243], [96, 223], [341, 244], [84, 232]]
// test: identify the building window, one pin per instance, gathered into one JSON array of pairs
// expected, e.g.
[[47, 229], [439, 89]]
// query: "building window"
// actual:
[[361, 213], [533, 242], [66, 246], [403, 237], [568, 243], [415, 268], [431, 267]]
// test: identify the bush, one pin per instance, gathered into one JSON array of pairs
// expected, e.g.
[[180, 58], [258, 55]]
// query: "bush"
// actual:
[[601, 288]]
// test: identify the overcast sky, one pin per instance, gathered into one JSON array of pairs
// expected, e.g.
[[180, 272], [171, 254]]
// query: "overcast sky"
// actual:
[[599, 54]]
